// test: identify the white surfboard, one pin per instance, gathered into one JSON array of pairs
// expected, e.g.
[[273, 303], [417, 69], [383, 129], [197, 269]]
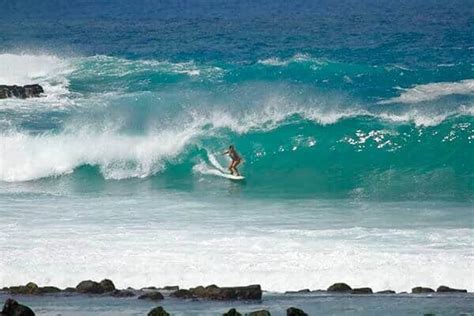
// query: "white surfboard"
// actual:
[[220, 171]]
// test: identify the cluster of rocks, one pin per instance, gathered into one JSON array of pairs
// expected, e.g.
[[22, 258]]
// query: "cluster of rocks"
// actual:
[[292, 311], [344, 288], [21, 92], [211, 292]]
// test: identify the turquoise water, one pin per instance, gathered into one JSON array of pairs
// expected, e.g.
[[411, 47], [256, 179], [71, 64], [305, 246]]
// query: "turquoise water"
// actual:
[[355, 122]]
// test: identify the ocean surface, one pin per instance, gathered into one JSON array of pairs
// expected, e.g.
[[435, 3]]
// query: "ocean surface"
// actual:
[[355, 120]]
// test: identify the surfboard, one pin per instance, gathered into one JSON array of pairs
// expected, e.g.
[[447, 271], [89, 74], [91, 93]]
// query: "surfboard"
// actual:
[[231, 176], [220, 171]]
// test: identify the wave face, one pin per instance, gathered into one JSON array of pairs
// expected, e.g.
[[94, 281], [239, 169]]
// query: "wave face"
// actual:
[[296, 129]]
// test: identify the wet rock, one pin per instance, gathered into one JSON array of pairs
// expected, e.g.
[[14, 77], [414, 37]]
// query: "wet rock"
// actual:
[[232, 312], [49, 290], [362, 290], [260, 313], [447, 289], [339, 288], [107, 285], [13, 308], [213, 292], [70, 289], [298, 292], [122, 293], [419, 289], [22, 92], [158, 311], [182, 294], [385, 292], [170, 288], [154, 296], [90, 287], [28, 289], [293, 311]]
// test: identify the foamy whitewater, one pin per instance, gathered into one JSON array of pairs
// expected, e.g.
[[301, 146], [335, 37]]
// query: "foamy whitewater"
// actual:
[[358, 152]]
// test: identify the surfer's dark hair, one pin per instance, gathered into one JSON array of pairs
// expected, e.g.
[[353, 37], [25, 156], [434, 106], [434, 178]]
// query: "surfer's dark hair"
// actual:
[[231, 147]]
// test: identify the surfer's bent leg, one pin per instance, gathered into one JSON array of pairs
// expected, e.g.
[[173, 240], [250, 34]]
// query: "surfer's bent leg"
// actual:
[[236, 163], [231, 167]]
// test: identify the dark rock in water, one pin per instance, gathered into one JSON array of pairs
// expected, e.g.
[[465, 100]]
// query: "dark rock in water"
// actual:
[[362, 290], [22, 92], [70, 289], [170, 288], [28, 289], [293, 311], [32, 289], [385, 292], [298, 292], [13, 308], [158, 311], [260, 313], [447, 289], [419, 289], [107, 285], [90, 287], [182, 294], [232, 312], [154, 296], [213, 292], [122, 293], [149, 288], [339, 287], [49, 290]]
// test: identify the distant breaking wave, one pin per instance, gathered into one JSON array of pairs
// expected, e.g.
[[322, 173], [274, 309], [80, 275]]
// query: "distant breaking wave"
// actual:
[[433, 91]]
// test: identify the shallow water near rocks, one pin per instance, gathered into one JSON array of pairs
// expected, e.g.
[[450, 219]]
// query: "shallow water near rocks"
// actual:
[[313, 304]]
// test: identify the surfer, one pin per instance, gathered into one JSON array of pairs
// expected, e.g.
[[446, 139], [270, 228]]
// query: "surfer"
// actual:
[[236, 160]]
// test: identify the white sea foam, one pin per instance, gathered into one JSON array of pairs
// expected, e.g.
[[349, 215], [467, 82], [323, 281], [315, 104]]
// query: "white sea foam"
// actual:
[[156, 241], [432, 91], [25, 157], [114, 67], [297, 58], [47, 70]]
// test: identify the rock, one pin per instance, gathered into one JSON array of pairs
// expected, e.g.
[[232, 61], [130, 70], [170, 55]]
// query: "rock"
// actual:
[[419, 289], [385, 292], [122, 293], [213, 292], [107, 285], [154, 296], [339, 287], [362, 290], [70, 289], [260, 313], [22, 92], [158, 311], [447, 289], [170, 288], [89, 287], [28, 289], [149, 288], [13, 308], [298, 292], [182, 294], [293, 311], [49, 290], [232, 312]]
